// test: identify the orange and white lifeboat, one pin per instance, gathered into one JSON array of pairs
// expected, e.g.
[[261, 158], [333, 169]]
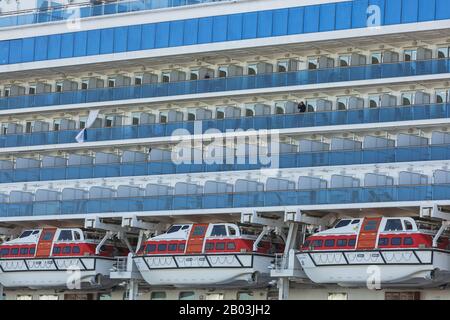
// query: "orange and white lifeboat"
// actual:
[[376, 252], [53, 257], [207, 254]]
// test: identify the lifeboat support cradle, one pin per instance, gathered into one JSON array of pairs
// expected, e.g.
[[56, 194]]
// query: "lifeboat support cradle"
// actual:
[[436, 212]]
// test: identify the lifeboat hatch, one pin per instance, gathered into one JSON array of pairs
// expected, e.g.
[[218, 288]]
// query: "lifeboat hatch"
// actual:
[[44, 246], [196, 238], [367, 238]]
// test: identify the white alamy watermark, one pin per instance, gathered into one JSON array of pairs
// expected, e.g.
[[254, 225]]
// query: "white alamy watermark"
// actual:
[[252, 147], [373, 278], [374, 16], [73, 281]]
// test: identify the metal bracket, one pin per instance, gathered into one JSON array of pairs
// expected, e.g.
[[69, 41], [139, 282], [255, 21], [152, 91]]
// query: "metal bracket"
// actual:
[[299, 217], [95, 223], [444, 226], [434, 212], [254, 217], [134, 222]]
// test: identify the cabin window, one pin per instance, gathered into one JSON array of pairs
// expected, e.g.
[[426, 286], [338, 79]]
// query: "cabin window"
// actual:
[[32, 251], [307, 243], [356, 221], [25, 234], [173, 229], [342, 243], [48, 236], [185, 227], [181, 247], [329, 243], [342, 223], [172, 247], [231, 231], [231, 246], [209, 246], [396, 241], [56, 250], [199, 231], [408, 241], [393, 225], [158, 295], [66, 250], [245, 296], [4, 252], [76, 235], [371, 225], [408, 225], [150, 248], [162, 247], [14, 251], [317, 243], [351, 242], [220, 245], [218, 231], [186, 295], [65, 235], [383, 242], [24, 251], [76, 249]]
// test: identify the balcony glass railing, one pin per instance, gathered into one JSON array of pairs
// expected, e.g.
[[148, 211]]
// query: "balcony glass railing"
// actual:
[[297, 120], [269, 80], [291, 160], [230, 200], [62, 13]]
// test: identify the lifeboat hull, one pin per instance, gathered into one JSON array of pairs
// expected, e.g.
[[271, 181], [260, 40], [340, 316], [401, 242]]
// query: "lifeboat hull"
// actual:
[[69, 273], [240, 270], [389, 268]]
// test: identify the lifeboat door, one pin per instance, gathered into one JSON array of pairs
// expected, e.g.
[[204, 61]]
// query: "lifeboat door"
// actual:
[[44, 246], [367, 238], [196, 238]]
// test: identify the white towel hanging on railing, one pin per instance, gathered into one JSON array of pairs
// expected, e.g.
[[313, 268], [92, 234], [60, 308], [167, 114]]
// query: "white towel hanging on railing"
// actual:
[[82, 136]]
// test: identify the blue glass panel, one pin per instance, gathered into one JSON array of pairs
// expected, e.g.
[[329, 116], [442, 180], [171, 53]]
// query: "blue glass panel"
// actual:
[[15, 51], [93, 44], [393, 11], [343, 15], [67, 45], [311, 20], [205, 27], [219, 28], [120, 39], [107, 41], [250, 25], [162, 35], [134, 38], [80, 48], [442, 9], [264, 24], [427, 10], [28, 49], [190, 32], [234, 27], [280, 22], [327, 16], [176, 33], [148, 36], [410, 11], [382, 6], [4, 52], [359, 13]]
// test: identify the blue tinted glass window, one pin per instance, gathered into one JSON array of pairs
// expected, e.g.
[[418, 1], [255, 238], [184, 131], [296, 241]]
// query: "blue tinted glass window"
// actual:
[[343, 15], [28, 49], [219, 28], [148, 36], [311, 21], [264, 24], [442, 9], [410, 11], [15, 51], [80, 48], [120, 39], [67, 45], [280, 22], [93, 42], [134, 38], [295, 23], [4, 52], [205, 30], [249, 25], [427, 10], [176, 33], [234, 27], [190, 32], [106, 41], [393, 11], [162, 34], [359, 13], [327, 16]]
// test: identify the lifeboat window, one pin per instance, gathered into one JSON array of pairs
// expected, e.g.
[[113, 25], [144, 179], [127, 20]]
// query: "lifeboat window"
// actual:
[[77, 235], [66, 249], [329, 243], [150, 248], [23, 251], [408, 225], [396, 241], [307, 243], [162, 247], [342, 223], [32, 250], [14, 251], [218, 231], [408, 241], [231, 231], [317, 243], [4, 252], [199, 231], [181, 247], [231, 246], [76, 249], [356, 221], [220, 245], [172, 247], [342, 243], [383, 242], [48, 236], [173, 229], [185, 227], [209, 246], [35, 232], [351, 242], [393, 225], [371, 225], [56, 250], [65, 235], [26, 234]]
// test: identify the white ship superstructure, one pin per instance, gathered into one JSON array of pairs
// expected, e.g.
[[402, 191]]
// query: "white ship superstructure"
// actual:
[[281, 118]]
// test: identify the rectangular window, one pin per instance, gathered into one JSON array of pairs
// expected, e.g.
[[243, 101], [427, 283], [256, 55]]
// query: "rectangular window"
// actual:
[[158, 295], [231, 246], [329, 243], [342, 243], [410, 55], [162, 247], [383, 242], [396, 241], [186, 295], [443, 53], [220, 245]]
